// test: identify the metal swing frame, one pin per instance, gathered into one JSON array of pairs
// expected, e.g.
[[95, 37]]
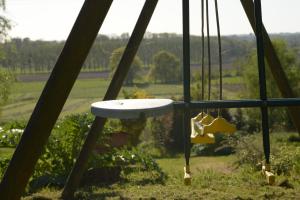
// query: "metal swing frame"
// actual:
[[68, 66], [263, 103]]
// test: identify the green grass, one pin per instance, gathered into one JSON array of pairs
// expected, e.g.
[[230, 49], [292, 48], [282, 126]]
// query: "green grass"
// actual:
[[22, 71], [6, 152], [212, 178], [233, 80], [85, 91]]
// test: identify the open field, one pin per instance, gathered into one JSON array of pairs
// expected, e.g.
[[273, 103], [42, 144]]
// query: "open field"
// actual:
[[85, 91], [213, 178]]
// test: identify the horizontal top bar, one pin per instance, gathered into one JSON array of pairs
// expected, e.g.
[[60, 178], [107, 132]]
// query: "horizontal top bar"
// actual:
[[245, 103]]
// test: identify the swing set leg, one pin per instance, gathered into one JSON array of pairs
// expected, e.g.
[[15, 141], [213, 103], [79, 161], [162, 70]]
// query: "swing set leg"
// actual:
[[266, 171], [187, 175], [263, 91], [187, 149], [187, 96], [266, 168]]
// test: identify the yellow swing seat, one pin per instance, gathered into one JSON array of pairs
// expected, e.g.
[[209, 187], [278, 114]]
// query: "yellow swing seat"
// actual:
[[203, 139], [219, 125], [198, 122], [197, 136]]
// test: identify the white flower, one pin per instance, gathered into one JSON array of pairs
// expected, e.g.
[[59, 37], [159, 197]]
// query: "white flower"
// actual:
[[122, 158], [16, 130], [1, 129]]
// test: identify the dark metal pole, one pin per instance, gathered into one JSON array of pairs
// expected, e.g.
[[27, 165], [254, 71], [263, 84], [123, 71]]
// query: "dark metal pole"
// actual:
[[112, 93], [53, 98], [262, 78], [244, 103], [186, 78], [274, 64]]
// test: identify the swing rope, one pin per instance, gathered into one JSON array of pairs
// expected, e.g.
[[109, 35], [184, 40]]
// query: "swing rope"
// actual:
[[208, 50], [203, 47], [203, 54], [204, 128], [220, 55]]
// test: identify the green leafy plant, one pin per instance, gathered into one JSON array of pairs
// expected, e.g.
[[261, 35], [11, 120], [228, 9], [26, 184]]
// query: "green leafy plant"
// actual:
[[64, 146], [4, 161], [284, 158], [11, 133], [6, 80], [290, 63], [134, 127]]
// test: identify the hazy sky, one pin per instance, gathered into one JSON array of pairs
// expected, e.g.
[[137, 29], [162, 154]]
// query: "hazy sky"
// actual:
[[53, 19]]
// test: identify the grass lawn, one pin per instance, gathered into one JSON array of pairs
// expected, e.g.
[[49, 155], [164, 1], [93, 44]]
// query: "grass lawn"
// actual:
[[24, 95], [213, 178], [6, 152], [85, 91]]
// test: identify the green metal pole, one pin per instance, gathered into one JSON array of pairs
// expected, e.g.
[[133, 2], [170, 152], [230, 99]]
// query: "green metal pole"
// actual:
[[186, 78], [274, 64], [112, 93], [53, 98], [262, 79]]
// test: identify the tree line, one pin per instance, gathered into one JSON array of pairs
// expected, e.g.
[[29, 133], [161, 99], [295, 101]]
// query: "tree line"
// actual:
[[29, 56], [37, 56]]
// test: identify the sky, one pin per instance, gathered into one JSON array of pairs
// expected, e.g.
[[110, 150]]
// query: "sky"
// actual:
[[53, 19]]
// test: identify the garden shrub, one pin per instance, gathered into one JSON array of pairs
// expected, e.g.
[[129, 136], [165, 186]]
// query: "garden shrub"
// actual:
[[11, 133], [134, 127], [4, 161], [160, 128], [63, 148], [6, 81], [248, 150], [284, 158], [63, 145]]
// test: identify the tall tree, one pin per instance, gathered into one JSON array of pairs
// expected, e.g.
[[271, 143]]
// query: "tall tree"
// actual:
[[166, 68], [4, 22], [6, 77], [291, 65], [135, 68]]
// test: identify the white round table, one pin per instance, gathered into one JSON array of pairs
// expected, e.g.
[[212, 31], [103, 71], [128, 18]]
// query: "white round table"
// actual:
[[131, 108]]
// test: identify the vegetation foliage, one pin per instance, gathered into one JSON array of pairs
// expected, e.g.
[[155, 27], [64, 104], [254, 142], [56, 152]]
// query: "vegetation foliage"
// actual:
[[4, 21], [163, 67], [285, 155], [63, 148], [291, 65], [27, 56], [166, 68], [135, 68], [6, 80]]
